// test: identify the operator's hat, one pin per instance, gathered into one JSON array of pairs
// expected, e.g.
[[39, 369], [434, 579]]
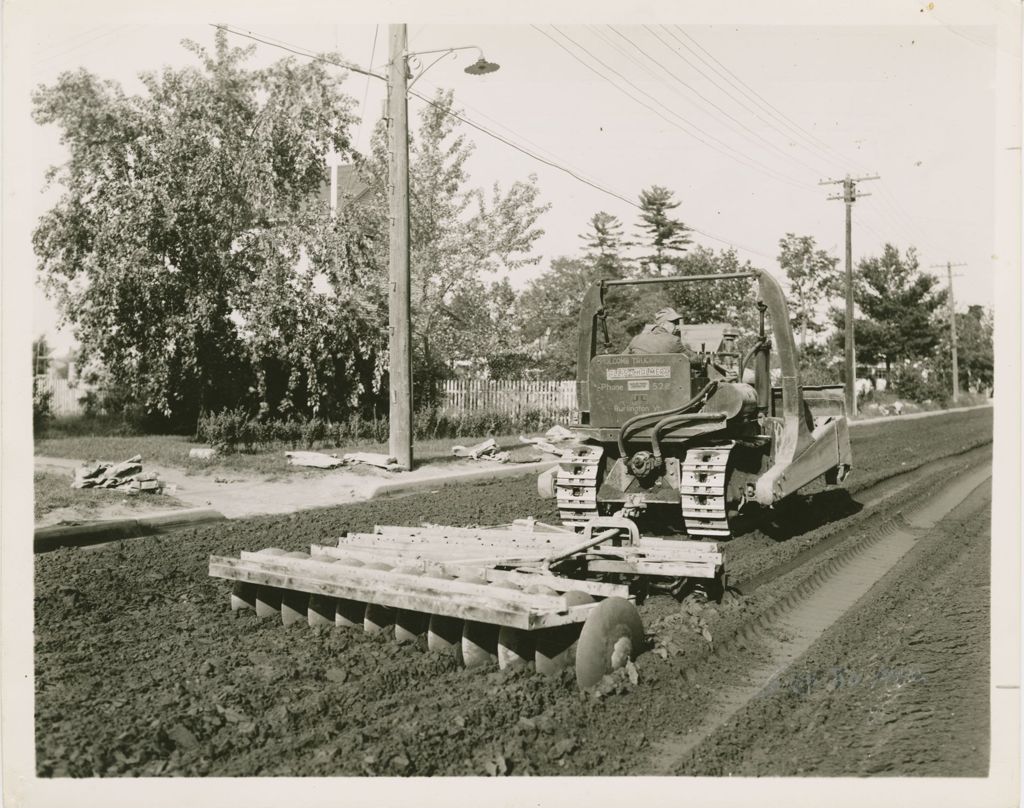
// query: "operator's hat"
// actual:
[[668, 315]]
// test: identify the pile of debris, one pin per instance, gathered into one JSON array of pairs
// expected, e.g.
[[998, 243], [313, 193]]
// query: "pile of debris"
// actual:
[[489, 449], [127, 475]]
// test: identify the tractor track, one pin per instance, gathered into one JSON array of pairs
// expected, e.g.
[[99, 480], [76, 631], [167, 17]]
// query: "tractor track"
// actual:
[[141, 669], [780, 635]]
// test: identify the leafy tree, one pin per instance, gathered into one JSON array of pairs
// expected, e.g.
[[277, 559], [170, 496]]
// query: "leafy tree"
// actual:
[[659, 231], [173, 250], [898, 303], [459, 235], [813, 277], [731, 301], [548, 313], [604, 242], [975, 350]]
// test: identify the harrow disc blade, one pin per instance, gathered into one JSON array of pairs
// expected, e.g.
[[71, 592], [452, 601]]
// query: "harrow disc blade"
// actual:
[[479, 644], [268, 602], [349, 613], [243, 596], [556, 647], [612, 635], [409, 625], [515, 647], [321, 610], [294, 607], [444, 634], [377, 619]]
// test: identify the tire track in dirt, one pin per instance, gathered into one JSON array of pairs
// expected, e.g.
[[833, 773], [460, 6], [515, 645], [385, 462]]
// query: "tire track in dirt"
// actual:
[[899, 685]]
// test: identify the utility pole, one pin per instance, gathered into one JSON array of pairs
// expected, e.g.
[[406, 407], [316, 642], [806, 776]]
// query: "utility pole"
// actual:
[[849, 196], [399, 324], [952, 327]]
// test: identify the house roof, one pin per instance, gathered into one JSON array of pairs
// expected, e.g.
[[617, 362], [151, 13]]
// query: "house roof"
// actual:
[[350, 187]]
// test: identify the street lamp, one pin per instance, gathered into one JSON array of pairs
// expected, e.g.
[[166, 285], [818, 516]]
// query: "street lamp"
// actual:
[[399, 323]]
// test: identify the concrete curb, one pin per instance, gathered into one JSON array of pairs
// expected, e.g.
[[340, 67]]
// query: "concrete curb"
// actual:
[[51, 538], [484, 475], [881, 419]]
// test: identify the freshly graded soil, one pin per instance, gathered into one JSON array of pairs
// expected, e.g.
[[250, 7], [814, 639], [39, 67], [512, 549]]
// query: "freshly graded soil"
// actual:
[[141, 668], [899, 685]]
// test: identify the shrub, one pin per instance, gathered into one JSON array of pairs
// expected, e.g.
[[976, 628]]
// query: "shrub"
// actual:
[[922, 382], [313, 431], [42, 405], [224, 431]]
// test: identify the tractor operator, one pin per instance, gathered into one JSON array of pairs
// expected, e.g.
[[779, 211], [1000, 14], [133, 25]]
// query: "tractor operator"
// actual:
[[662, 336]]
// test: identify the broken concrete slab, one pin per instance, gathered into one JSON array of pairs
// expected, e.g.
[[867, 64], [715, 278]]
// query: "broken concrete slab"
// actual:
[[317, 460], [382, 461]]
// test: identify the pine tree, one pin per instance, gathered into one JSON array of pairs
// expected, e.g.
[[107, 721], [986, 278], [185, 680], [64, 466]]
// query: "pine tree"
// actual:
[[659, 231]]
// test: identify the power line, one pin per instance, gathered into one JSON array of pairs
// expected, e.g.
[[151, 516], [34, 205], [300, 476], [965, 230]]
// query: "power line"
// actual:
[[754, 110], [685, 127], [79, 45], [366, 92], [757, 139], [887, 198], [756, 96], [356, 69]]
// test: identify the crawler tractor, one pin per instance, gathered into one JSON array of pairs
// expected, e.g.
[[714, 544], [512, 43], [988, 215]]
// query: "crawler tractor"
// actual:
[[679, 444], [686, 442]]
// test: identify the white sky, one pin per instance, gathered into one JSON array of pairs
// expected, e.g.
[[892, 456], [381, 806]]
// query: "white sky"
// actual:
[[913, 100]]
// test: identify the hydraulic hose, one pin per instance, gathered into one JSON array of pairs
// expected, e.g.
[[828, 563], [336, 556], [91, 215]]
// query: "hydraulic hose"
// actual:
[[747, 356], [639, 421], [673, 421]]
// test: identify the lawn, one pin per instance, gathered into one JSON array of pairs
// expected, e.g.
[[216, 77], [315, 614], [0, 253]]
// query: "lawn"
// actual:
[[53, 492], [172, 450]]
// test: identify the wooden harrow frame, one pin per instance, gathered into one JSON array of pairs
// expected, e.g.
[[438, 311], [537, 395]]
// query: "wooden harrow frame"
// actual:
[[515, 595]]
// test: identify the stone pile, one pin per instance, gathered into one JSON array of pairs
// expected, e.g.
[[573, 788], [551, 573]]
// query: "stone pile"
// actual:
[[127, 475]]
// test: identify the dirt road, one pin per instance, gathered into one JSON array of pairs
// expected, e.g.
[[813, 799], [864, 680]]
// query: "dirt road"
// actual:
[[141, 669]]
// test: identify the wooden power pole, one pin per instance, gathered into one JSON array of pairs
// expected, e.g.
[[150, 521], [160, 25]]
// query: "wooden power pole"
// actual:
[[399, 323], [849, 196], [952, 327]]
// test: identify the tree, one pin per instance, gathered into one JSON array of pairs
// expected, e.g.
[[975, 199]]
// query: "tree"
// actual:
[[173, 250], [731, 301], [548, 313], [975, 350], [459, 235], [659, 231], [898, 303], [812, 278], [604, 243]]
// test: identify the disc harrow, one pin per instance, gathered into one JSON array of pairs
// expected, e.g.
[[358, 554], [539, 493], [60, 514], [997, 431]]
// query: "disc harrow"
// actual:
[[519, 596]]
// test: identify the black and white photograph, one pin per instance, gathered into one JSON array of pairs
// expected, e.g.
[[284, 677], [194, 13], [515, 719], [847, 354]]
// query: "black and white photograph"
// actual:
[[623, 401]]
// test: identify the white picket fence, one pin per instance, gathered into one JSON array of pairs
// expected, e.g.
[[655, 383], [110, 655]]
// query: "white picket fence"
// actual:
[[509, 397], [65, 399]]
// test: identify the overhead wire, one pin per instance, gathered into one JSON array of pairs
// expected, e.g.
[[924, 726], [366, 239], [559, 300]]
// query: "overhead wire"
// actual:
[[472, 124], [82, 44], [756, 138], [745, 104], [887, 197], [366, 92], [685, 125]]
